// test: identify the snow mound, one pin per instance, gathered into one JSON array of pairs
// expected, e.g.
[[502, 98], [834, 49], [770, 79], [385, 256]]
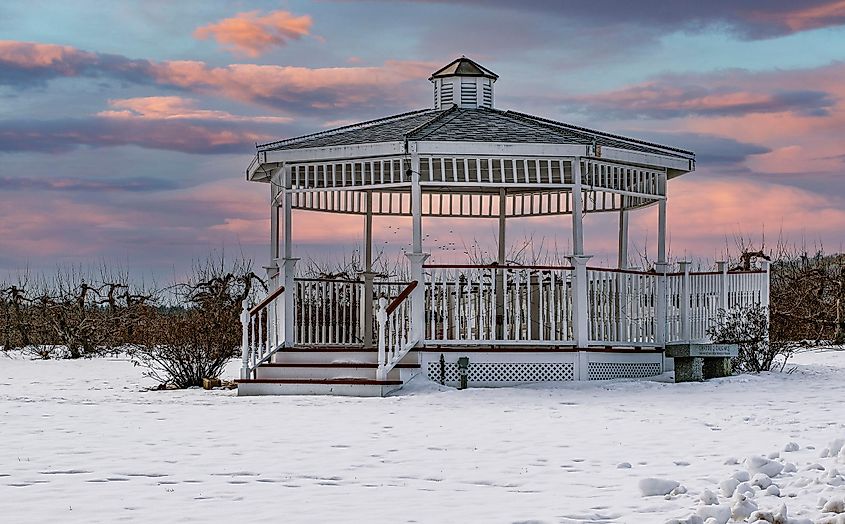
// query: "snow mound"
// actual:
[[720, 514], [834, 505], [763, 465], [651, 487], [742, 507]]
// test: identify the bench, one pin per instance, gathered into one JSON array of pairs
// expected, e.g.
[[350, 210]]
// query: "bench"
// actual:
[[697, 362]]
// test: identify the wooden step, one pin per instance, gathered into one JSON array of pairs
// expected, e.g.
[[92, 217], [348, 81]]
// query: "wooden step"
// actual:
[[345, 356], [334, 365], [365, 381], [328, 370], [344, 387]]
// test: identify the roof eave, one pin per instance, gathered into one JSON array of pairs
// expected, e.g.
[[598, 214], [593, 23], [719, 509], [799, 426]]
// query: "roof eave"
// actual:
[[339, 152]]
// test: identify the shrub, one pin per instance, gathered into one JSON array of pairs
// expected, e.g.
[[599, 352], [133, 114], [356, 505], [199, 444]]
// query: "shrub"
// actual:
[[748, 327], [181, 345]]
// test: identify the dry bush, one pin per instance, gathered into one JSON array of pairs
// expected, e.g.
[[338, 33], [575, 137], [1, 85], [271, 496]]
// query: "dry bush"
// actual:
[[748, 327], [71, 314], [195, 338]]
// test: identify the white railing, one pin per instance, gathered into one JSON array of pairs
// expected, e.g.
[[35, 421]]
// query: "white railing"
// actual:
[[694, 299], [621, 307], [498, 304], [395, 332], [333, 311], [262, 331], [328, 311]]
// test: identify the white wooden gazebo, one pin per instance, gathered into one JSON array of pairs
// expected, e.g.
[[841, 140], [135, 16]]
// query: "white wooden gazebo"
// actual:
[[465, 159]]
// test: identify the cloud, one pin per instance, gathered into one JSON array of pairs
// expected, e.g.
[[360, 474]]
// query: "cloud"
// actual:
[[395, 84], [177, 108], [252, 33], [675, 96], [749, 19], [56, 136], [301, 89], [709, 149], [703, 211], [24, 64], [88, 185]]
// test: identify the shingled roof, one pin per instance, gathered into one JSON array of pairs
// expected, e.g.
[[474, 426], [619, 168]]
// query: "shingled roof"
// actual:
[[463, 66], [470, 125]]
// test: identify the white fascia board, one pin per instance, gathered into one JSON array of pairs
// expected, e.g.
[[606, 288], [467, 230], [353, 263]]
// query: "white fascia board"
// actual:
[[347, 152], [517, 149], [482, 149], [648, 159]]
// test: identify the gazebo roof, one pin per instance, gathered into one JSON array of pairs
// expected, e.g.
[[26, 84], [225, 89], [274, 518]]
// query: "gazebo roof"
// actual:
[[469, 125]]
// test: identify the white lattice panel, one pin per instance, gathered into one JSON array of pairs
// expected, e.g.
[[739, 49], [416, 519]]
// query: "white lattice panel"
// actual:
[[505, 372], [610, 370]]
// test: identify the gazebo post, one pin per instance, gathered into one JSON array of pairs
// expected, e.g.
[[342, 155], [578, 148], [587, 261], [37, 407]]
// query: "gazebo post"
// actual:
[[289, 263], [661, 267], [501, 260], [622, 261], [272, 270], [368, 270], [579, 261], [416, 257], [622, 318], [577, 209]]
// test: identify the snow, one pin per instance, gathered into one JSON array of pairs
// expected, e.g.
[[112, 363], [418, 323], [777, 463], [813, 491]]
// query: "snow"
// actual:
[[650, 487], [80, 441]]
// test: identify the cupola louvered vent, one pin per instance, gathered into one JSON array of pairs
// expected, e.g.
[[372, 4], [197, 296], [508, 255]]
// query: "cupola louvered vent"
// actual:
[[463, 83]]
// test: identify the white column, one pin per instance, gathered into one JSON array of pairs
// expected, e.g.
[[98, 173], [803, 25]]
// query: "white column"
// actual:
[[368, 271], [577, 209], [662, 268], [289, 263], [273, 267], [685, 301], [622, 261], [416, 257], [622, 319], [580, 301], [501, 260], [722, 267]]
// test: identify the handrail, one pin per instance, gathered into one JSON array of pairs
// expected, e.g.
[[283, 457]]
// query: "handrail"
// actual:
[[618, 270], [349, 281], [269, 298], [401, 297], [262, 331], [492, 266]]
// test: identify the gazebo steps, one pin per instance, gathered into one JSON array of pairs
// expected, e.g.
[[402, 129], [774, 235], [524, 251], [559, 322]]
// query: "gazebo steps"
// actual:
[[330, 370], [353, 387], [330, 355]]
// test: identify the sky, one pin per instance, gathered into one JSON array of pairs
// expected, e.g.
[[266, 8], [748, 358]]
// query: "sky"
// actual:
[[126, 127]]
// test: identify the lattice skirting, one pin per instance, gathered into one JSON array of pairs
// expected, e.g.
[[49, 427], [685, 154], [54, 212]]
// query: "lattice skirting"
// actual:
[[610, 370], [505, 372]]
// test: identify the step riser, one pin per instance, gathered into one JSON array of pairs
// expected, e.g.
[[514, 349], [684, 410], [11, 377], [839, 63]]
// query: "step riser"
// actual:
[[331, 357], [318, 372], [348, 390]]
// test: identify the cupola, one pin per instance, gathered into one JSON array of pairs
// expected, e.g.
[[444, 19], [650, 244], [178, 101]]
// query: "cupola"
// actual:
[[463, 83]]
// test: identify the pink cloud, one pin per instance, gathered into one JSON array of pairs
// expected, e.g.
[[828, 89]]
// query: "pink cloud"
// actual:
[[177, 108], [805, 18], [33, 55], [704, 212], [252, 33], [319, 88], [302, 89]]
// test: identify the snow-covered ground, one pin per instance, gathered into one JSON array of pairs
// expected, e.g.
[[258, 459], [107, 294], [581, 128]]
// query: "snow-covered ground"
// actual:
[[81, 442]]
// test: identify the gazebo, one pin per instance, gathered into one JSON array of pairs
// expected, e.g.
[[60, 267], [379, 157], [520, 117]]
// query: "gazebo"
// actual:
[[491, 324]]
